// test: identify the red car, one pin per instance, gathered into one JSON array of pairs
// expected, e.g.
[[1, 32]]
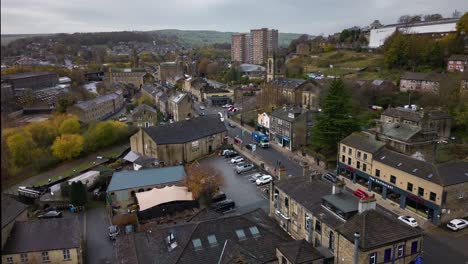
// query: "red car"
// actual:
[[361, 194]]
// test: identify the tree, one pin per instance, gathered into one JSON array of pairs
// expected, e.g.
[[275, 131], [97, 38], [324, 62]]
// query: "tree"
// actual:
[[145, 99], [202, 67], [336, 121], [462, 24], [78, 195], [203, 181], [70, 126], [19, 146], [43, 133], [68, 146]]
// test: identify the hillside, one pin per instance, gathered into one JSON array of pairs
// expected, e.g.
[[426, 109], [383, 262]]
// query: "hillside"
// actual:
[[7, 38]]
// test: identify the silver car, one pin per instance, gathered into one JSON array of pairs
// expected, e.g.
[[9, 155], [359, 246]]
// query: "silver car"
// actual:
[[244, 167]]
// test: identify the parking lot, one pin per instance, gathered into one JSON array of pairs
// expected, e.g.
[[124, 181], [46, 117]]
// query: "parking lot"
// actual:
[[237, 187]]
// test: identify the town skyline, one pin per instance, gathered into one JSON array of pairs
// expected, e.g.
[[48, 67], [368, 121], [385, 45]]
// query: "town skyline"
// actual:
[[26, 17]]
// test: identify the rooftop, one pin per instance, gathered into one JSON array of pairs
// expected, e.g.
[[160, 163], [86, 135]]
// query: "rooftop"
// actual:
[[421, 76], [376, 230], [35, 235], [11, 208], [187, 130], [458, 57], [126, 179], [363, 142], [400, 131], [144, 107], [288, 113], [98, 100], [299, 251], [343, 201], [287, 82]]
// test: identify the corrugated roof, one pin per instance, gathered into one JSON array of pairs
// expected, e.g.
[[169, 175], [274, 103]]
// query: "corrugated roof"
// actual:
[[126, 179]]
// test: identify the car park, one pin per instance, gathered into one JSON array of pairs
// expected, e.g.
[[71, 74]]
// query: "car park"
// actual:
[[361, 194], [329, 177], [237, 159], [255, 176], [408, 220], [244, 167], [113, 232], [457, 224], [264, 179], [50, 214]]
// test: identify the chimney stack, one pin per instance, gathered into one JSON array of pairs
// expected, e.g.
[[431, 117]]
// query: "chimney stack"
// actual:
[[338, 187], [367, 204]]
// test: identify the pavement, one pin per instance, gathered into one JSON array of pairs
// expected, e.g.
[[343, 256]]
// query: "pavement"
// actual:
[[99, 248]]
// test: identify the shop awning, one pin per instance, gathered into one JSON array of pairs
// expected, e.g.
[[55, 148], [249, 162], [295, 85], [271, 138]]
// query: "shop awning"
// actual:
[[167, 194]]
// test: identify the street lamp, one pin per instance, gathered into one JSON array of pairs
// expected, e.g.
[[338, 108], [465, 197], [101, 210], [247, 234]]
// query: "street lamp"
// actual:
[[356, 246]]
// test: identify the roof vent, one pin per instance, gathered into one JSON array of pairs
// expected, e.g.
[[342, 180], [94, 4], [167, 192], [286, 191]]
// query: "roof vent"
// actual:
[[415, 170], [430, 175], [399, 164], [382, 158]]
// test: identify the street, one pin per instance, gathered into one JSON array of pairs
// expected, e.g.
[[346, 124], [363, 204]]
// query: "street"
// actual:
[[99, 248]]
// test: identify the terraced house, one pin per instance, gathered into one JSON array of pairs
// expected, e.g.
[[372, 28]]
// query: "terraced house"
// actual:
[[435, 191], [98, 108], [328, 216]]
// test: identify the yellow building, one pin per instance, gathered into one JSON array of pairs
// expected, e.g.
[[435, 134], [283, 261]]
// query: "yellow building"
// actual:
[[435, 191], [56, 240]]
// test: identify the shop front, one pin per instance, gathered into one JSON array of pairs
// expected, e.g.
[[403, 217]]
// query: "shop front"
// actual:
[[263, 123]]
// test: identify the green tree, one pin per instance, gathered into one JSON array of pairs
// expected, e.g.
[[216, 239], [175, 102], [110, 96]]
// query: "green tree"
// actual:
[[145, 99], [19, 146], [70, 126], [68, 146], [336, 121], [78, 196]]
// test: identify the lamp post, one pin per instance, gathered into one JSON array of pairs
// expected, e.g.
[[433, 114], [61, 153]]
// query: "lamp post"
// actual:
[[356, 246]]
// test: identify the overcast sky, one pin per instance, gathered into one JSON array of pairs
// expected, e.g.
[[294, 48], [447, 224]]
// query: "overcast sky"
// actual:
[[299, 16]]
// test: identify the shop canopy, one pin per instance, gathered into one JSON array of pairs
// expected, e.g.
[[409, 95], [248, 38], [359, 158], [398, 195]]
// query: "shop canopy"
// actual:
[[167, 194]]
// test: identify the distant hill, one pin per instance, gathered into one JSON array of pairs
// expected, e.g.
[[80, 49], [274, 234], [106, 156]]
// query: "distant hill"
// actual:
[[7, 38], [206, 37]]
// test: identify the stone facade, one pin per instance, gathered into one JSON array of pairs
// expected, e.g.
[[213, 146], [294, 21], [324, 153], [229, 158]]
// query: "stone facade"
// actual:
[[180, 107], [54, 256], [457, 63], [135, 78], [167, 70], [421, 82], [290, 133], [145, 116], [98, 108]]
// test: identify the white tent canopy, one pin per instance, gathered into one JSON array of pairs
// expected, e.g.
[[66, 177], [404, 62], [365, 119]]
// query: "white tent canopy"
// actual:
[[167, 194]]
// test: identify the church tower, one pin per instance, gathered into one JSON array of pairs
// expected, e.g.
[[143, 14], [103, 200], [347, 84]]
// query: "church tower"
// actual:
[[275, 67]]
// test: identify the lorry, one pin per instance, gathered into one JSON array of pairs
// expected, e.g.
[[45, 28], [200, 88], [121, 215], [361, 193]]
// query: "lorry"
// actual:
[[258, 137]]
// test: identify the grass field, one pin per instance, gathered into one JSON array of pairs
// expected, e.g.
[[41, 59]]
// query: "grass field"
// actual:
[[69, 172]]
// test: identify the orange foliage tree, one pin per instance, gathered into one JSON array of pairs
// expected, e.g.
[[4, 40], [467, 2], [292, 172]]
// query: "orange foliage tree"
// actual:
[[203, 181]]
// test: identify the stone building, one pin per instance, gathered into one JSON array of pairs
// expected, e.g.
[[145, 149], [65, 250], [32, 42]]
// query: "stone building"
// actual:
[[286, 91], [132, 76], [182, 141], [180, 107], [457, 63], [54, 240], [464, 84], [420, 82], [145, 116], [12, 212], [276, 66], [31, 80], [98, 108], [435, 191], [290, 126], [325, 216], [167, 70]]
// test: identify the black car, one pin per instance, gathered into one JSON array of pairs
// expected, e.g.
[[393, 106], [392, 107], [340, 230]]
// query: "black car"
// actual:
[[218, 197], [224, 206], [231, 154], [330, 177]]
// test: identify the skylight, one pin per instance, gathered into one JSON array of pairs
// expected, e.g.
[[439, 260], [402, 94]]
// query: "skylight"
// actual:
[[240, 234], [212, 240], [382, 158], [254, 231], [415, 170], [197, 245]]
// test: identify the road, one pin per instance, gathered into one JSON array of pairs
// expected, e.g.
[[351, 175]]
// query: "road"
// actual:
[[99, 248]]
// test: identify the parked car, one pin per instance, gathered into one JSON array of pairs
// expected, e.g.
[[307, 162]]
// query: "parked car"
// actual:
[[249, 146], [330, 177], [361, 194], [256, 176], [50, 214], [237, 159], [264, 144], [113, 232], [226, 151], [123, 119], [231, 154], [408, 220], [264, 179], [218, 197], [244, 167], [99, 157], [457, 224], [202, 107], [223, 206], [231, 124]]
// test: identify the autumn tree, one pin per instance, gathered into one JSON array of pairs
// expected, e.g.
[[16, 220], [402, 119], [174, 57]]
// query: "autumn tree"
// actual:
[[43, 133], [203, 181], [70, 126], [203, 67], [145, 99], [68, 146], [19, 147]]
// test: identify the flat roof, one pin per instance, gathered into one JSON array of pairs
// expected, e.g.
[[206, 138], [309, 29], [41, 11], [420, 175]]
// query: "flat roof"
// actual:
[[344, 201]]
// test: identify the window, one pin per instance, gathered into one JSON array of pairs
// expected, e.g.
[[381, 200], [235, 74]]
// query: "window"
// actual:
[[343, 158], [349, 161], [318, 226], [45, 256], [212, 240], [9, 260], [240, 234], [388, 255], [364, 167], [24, 257], [409, 187], [286, 202], [350, 151], [373, 258], [414, 247], [331, 244], [401, 251], [377, 173], [66, 254], [254, 231], [392, 179], [359, 154], [358, 164], [306, 221], [432, 196], [343, 149], [197, 245], [420, 191], [365, 156]]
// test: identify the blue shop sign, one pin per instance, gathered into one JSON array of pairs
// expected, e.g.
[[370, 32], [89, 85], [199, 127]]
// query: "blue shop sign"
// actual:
[[384, 184]]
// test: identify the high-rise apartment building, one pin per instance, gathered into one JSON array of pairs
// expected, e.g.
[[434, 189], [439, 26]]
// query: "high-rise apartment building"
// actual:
[[254, 47]]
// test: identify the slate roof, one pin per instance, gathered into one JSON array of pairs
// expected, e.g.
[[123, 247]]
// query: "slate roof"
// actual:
[[98, 100], [458, 57], [261, 246], [404, 113], [187, 130], [144, 107], [283, 113], [304, 191], [299, 251], [363, 142], [26, 75], [400, 131], [126, 179], [421, 76], [11, 208], [376, 230], [288, 82], [43, 235], [453, 172]]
